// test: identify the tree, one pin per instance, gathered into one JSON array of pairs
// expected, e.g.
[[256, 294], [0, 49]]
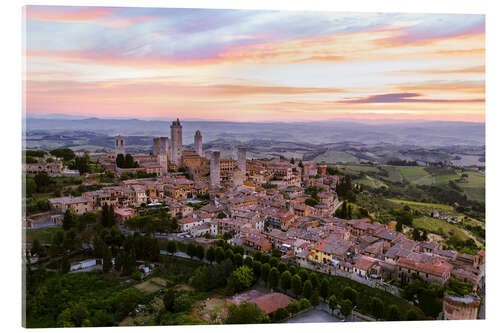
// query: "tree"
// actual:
[[169, 299], [219, 254], [42, 180], [393, 313], [350, 294], [324, 289], [68, 221], [314, 297], [241, 278], [120, 161], [30, 186], [304, 275], [191, 249], [332, 302], [314, 279], [274, 276], [171, 246], [286, 280], [411, 315], [307, 289], [280, 314], [106, 261], [211, 253], [304, 304], [238, 260], [257, 266], [248, 261], [346, 307], [377, 307], [65, 153], [245, 313], [273, 261], [275, 252], [200, 251], [36, 247], [264, 271], [65, 265], [282, 267], [182, 303], [296, 284]]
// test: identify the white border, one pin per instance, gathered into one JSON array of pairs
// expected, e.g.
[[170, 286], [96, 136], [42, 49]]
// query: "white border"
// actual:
[[11, 148]]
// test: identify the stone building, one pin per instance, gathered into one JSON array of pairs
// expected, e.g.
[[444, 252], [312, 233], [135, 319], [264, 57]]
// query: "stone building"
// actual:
[[156, 146], [176, 137], [237, 178], [460, 308], [215, 169], [242, 161], [119, 145], [198, 145]]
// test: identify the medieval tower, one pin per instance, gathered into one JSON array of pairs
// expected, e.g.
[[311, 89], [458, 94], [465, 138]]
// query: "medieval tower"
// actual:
[[198, 145], [119, 145], [176, 137], [242, 161], [215, 168]]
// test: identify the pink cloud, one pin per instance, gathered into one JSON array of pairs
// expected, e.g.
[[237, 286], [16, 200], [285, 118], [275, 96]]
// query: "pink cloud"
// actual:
[[67, 14]]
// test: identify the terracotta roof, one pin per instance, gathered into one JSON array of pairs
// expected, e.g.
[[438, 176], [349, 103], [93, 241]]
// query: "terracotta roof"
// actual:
[[364, 263], [439, 268]]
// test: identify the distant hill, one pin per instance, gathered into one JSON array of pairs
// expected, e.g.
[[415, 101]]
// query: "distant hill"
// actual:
[[331, 142]]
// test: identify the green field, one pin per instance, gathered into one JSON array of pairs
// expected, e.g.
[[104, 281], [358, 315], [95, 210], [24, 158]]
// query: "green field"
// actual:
[[44, 235], [372, 182], [416, 175], [440, 227], [419, 205]]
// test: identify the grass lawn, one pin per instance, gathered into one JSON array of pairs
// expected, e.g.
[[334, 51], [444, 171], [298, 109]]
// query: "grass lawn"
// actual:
[[394, 174], [369, 181], [439, 226], [416, 175], [416, 204], [44, 235], [474, 186]]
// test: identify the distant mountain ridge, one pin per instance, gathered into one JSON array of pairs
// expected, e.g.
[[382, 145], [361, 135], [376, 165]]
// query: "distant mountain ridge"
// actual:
[[421, 134]]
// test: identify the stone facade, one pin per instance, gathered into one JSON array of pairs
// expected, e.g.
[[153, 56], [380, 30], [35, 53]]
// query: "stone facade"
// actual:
[[119, 145], [176, 137], [215, 169], [198, 145]]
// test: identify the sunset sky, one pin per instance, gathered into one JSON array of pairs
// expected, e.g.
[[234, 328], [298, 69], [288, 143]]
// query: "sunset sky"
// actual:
[[243, 65]]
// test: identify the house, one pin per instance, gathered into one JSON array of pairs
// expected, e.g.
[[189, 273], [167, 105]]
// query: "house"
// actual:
[[79, 205], [123, 214], [364, 264], [437, 271], [188, 223]]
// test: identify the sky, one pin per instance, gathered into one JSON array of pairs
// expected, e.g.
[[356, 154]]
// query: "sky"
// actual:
[[247, 65]]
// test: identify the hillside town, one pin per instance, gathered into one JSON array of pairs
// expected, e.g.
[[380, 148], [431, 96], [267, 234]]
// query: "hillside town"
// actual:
[[284, 206]]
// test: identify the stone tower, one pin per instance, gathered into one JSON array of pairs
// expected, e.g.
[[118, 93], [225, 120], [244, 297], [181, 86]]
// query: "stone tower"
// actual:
[[237, 178], [176, 137], [163, 154], [215, 169], [156, 146], [242, 161], [198, 145], [164, 147], [120, 145]]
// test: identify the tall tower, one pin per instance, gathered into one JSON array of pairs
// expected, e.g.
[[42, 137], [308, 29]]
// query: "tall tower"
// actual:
[[119, 145], [237, 178], [156, 146], [163, 151], [215, 168], [164, 147], [176, 136], [198, 145], [242, 161]]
